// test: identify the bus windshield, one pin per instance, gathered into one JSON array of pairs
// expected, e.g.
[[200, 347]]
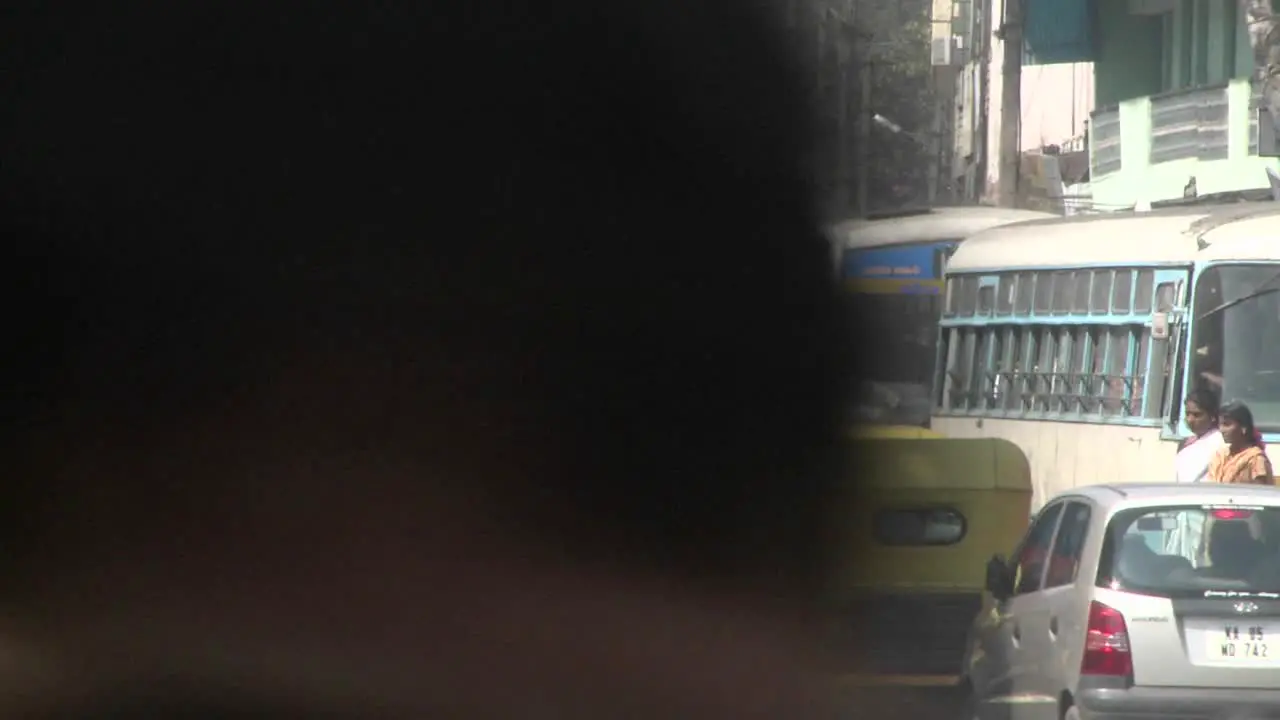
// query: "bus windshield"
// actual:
[[894, 338], [892, 305], [1236, 351]]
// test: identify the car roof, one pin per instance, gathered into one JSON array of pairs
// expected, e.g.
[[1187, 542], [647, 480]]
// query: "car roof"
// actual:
[[1139, 494]]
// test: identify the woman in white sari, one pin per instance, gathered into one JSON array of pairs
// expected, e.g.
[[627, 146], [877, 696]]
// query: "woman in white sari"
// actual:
[[1200, 412]]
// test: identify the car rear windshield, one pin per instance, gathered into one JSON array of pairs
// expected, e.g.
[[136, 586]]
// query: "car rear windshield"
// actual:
[[1191, 549]]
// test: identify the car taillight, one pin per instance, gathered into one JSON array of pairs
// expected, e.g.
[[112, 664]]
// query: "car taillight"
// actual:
[[1223, 514], [1106, 644]]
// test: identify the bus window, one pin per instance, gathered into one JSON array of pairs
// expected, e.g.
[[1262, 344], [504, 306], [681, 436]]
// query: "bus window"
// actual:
[[1079, 369], [1081, 304], [1059, 388], [1117, 380], [1004, 303], [1044, 292], [1044, 370], [1165, 297], [1101, 304], [1022, 305], [968, 296], [1142, 291], [1237, 348], [1064, 289], [1121, 292], [986, 300], [1140, 375]]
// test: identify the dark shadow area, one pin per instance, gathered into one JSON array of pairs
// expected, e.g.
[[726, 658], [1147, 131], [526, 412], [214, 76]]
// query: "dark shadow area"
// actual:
[[403, 359]]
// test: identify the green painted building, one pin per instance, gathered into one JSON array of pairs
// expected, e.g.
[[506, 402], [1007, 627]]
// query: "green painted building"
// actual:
[[1174, 99]]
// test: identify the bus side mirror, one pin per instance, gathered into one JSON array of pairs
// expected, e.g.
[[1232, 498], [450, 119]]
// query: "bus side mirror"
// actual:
[[999, 582], [1160, 326]]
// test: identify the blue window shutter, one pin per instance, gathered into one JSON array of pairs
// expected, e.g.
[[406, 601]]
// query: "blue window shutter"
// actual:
[[1057, 31]]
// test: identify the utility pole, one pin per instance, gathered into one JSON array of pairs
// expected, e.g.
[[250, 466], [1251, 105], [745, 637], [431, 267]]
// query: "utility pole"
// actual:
[[935, 135], [843, 176], [1010, 33], [864, 135]]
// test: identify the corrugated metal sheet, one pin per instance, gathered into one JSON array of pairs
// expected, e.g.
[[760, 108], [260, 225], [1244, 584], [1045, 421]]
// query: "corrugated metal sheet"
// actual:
[[1058, 31], [1190, 124], [1104, 142], [1255, 102], [1214, 117]]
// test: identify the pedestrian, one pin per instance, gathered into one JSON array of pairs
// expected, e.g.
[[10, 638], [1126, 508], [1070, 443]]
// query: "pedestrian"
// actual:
[[1200, 413], [1241, 459], [1191, 465]]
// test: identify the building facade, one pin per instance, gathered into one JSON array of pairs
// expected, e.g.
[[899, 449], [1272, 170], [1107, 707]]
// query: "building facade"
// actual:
[[1056, 98], [1158, 92]]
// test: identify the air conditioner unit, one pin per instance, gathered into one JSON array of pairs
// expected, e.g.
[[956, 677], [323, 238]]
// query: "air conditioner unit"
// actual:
[[940, 51]]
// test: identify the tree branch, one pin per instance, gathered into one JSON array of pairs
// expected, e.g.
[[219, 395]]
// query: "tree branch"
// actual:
[[1264, 38]]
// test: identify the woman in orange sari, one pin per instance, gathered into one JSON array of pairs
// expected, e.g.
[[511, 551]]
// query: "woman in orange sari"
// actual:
[[1242, 458]]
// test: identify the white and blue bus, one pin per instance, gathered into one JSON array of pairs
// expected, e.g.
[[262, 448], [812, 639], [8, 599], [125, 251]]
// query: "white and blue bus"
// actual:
[[1077, 338], [891, 268]]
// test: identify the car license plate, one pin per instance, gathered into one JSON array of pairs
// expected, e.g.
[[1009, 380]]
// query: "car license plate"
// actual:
[[1246, 644]]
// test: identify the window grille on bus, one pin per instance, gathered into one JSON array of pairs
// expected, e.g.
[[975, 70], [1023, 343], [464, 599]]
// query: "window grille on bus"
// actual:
[[1064, 343], [1053, 392]]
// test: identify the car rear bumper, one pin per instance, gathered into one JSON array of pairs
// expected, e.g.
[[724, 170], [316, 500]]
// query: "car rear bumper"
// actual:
[[1145, 703]]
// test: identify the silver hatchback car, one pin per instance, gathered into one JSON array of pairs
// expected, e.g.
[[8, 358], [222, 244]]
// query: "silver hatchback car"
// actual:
[[1134, 601]]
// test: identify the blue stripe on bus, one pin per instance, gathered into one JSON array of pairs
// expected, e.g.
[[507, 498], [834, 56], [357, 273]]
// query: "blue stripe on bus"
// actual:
[[915, 262]]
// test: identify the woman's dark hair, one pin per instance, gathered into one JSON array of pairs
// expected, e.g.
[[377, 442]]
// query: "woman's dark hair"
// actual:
[[1206, 400], [1242, 415]]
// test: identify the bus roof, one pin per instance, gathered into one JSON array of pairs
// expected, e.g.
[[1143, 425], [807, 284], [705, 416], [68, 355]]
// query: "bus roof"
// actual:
[[1166, 236], [1253, 238], [932, 225]]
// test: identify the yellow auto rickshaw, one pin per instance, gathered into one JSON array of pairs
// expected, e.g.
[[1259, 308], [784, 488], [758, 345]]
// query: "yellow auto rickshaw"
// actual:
[[892, 432], [920, 519]]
